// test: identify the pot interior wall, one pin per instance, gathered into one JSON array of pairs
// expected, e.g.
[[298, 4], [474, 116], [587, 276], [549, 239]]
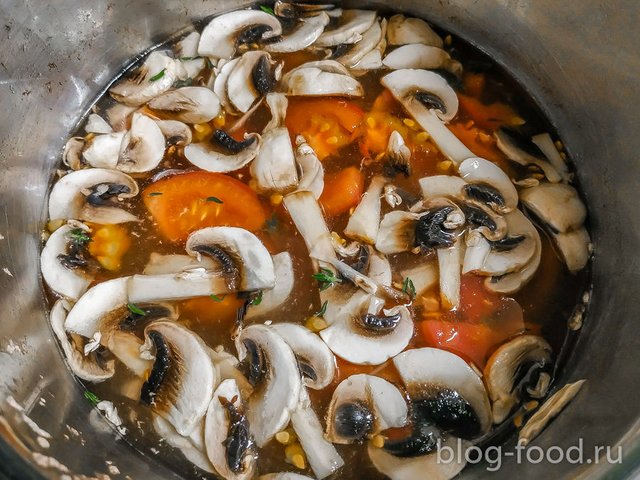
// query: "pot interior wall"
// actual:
[[579, 61]]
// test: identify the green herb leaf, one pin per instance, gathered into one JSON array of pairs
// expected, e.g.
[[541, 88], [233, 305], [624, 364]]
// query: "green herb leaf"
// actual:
[[217, 298], [257, 300], [214, 199], [323, 309], [267, 9], [209, 63], [91, 397], [135, 309], [409, 288], [158, 75], [326, 278], [79, 236], [184, 59], [155, 194]]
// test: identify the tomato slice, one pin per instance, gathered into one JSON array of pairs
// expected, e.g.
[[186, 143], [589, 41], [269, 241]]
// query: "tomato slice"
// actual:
[[489, 117], [342, 192], [186, 202]]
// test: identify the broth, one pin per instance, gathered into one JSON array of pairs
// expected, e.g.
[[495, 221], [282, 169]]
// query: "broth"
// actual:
[[546, 302]]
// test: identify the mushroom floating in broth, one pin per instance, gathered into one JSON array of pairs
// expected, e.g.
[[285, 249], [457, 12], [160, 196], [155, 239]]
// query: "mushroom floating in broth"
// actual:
[[316, 241]]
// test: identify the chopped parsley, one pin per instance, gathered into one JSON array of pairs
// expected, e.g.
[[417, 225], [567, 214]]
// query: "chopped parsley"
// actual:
[[256, 300], [409, 288], [214, 200], [216, 298], [79, 236], [326, 278], [267, 9], [323, 309], [155, 194], [91, 397], [135, 309], [158, 75]]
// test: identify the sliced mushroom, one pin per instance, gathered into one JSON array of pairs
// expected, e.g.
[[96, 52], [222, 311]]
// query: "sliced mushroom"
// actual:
[[423, 276], [364, 222], [244, 261], [204, 157], [575, 248], [284, 476], [431, 101], [252, 77], [91, 195], [119, 116], [88, 367], [102, 151], [226, 434], [221, 37], [220, 84], [370, 39], [546, 145], [63, 263], [72, 153], [558, 205], [161, 264], [274, 168], [187, 104], [517, 370], [441, 186], [278, 295], [351, 25], [398, 154], [286, 9], [175, 132], [362, 406], [407, 30], [524, 152], [311, 169], [315, 361], [187, 46], [450, 260], [273, 370], [181, 383], [484, 220], [155, 76], [491, 184], [476, 252], [397, 232], [142, 147], [322, 78], [303, 35], [417, 55], [97, 124], [192, 447], [373, 59]]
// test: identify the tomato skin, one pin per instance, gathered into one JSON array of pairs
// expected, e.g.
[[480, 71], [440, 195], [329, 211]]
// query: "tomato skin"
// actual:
[[186, 202], [490, 117], [342, 192]]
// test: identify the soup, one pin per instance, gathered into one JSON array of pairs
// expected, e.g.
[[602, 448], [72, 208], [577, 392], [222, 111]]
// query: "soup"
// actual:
[[315, 241]]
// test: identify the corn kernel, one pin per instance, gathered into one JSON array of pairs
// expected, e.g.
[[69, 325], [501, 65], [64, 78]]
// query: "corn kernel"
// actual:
[[563, 155], [518, 420], [371, 122], [276, 199], [332, 140], [295, 455], [201, 127], [517, 121], [316, 324], [283, 437], [409, 123], [538, 176], [469, 124], [378, 441], [444, 165], [422, 137], [448, 40], [299, 462], [89, 136], [220, 121], [558, 144], [531, 405]]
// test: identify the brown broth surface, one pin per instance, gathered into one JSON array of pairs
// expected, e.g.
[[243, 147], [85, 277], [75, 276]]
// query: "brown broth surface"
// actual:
[[547, 301]]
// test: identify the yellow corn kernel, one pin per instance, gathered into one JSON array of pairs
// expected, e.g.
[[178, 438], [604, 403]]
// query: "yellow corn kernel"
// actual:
[[276, 199], [531, 405], [89, 136], [316, 324], [448, 40], [295, 455], [518, 420], [444, 165], [298, 461], [220, 120], [409, 123], [201, 127], [517, 121], [371, 122], [332, 140], [563, 155], [284, 437], [378, 441], [538, 176], [422, 137], [558, 144]]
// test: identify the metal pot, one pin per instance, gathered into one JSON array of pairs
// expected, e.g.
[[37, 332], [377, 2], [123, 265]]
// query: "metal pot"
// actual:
[[579, 60]]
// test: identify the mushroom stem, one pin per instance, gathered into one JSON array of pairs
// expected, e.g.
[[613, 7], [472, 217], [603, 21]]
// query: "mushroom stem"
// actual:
[[449, 261]]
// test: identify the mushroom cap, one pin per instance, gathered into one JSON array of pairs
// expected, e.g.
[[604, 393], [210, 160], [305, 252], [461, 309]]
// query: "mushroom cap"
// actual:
[[506, 364], [276, 396], [384, 402], [313, 81], [175, 132], [575, 248], [556, 204], [220, 83], [102, 151], [278, 295], [370, 39], [183, 396], [312, 171], [352, 23], [406, 30], [243, 87], [305, 34], [441, 186], [204, 157], [364, 222], [188, 104], [221, 36], [191, 447], [479, 170], [417, 55], [142, 147]]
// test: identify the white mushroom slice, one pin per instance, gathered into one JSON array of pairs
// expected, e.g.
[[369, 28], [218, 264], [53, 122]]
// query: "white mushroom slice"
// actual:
[[242, 88], [161, 264], [191, 68], [575, 248], [221, 36], [398, 154], [417, 55], [364, 222], [188, 104], [433, 374], [441, 186], [60, 270], [405, 30], [545, 143], [312, 171], [225, 418], [284, 476], [369, 335], [270, 406], [72, 153], [558, 205], [126, 346], [189, 446], [424, 466], [177, 286], [327, 65], [305, 34], [90, 195], [244, 260], [449, 267], [175, 132], [525, 358], [322, 456], [352, 23], [87, 367], [274, 168], [315, 360], [373, 59], [397, 232], [187, 47], [481, 171], [142, 147], [97, 124], [362, 406], [370, 39], [102, 151], [548, 411], [312, 81], [154, 77], [476, 252], [182, 380], [424, 276], [119, 116], [289, 9], [508, 143], [278, 295], [306, 214], [202, 156], [431, 101], [220, 84]]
